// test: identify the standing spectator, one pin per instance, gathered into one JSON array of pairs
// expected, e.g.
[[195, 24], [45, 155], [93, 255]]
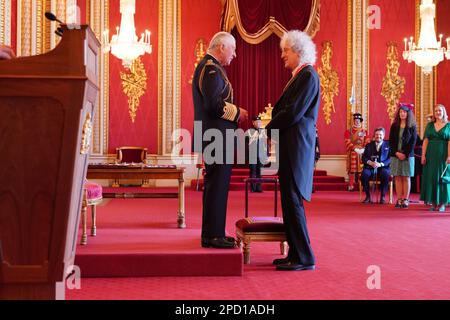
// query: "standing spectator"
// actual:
[[435, 158], [402, 140]]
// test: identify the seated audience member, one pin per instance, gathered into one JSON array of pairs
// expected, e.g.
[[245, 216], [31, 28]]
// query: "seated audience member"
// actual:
[[376, 161], [6, 52]]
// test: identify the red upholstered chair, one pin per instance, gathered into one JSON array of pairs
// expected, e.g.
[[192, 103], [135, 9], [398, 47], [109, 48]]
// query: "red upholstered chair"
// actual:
[[131, 155], [260, 228], [92, 197], [136, 155]]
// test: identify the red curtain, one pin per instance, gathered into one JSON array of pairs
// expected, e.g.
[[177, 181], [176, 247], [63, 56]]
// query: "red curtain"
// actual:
[[257, 73]]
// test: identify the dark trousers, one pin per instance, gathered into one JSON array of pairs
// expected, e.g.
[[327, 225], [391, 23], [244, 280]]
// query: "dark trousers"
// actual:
[[215, 198], [295, 221], [383, 174], [255, 172]]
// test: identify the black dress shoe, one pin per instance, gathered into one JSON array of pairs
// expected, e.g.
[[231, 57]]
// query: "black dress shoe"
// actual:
[[230, 239], [367, 200], [219, 243], [382, 201], [292, 266], [277, 262]]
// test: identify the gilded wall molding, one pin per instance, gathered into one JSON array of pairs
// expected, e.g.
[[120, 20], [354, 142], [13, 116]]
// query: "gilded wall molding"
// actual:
[[5, 22], [329, 81], [359, 62], [393, 84], [97, 16], [425, 85], [35, 34], [169, 73], [232, 19]]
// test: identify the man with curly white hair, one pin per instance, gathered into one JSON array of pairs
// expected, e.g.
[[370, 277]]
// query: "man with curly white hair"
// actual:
[[295, 116]]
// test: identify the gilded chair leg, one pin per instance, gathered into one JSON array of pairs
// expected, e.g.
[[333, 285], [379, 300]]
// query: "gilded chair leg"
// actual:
[[84, 222], [246, 252], [239, 243], [198, 176], [283, 247], [94, 220], [391, 192]]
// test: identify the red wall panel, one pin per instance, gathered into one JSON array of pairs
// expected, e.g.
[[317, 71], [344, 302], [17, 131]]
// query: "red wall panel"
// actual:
[[144, 131], [397, 22], [333, 27], [199, 19], [82, 6], [14, 25], [443, 69]]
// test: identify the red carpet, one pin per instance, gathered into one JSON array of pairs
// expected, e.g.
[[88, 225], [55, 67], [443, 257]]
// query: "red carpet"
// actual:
[[137, 237], [409, 246]]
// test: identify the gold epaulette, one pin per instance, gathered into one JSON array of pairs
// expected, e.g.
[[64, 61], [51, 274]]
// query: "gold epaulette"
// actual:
[[210, 62]]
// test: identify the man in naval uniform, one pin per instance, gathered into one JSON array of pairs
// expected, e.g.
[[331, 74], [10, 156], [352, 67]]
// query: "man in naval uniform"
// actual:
[[295, 116], [214, 109]]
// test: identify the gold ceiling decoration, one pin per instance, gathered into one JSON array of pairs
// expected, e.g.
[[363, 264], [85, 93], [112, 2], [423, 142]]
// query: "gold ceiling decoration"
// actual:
[[231, 18], [329, 81], [393, 84], [200, 51], [134, 85]]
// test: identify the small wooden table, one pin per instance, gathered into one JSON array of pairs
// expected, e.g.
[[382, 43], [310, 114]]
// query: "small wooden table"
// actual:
[[113, 171]]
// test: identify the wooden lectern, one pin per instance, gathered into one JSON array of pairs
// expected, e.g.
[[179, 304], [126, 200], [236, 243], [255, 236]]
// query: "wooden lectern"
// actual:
[[47, 105]]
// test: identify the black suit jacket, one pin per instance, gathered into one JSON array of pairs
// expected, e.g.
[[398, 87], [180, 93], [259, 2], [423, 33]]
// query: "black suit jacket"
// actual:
[[370, 150], [408, 140], [295, 115], [213, 101]]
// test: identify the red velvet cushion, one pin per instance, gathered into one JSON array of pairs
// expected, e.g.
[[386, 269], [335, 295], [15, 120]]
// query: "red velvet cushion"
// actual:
[[93, 190], [261, 224]]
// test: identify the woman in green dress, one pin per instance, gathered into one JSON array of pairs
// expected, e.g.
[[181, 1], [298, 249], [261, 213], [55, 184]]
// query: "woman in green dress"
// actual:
[[435, 157]]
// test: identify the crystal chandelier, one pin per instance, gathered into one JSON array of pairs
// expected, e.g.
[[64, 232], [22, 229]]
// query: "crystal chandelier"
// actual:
[[125, 44], [429, 51]]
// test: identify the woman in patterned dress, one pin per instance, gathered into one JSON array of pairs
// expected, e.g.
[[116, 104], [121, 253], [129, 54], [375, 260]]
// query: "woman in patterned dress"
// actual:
[[402, 140]]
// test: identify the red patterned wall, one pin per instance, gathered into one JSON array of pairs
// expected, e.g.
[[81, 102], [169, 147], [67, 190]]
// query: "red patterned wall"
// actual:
[[333, 27], [443, 74], [397, 22], [199, 19], [144, 131]]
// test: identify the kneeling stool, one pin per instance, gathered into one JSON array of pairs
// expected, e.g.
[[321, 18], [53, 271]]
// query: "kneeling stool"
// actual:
[[260, 228]]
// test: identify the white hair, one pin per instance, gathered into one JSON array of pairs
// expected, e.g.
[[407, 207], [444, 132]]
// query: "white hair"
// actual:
[[300, 43], [221, 38]]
